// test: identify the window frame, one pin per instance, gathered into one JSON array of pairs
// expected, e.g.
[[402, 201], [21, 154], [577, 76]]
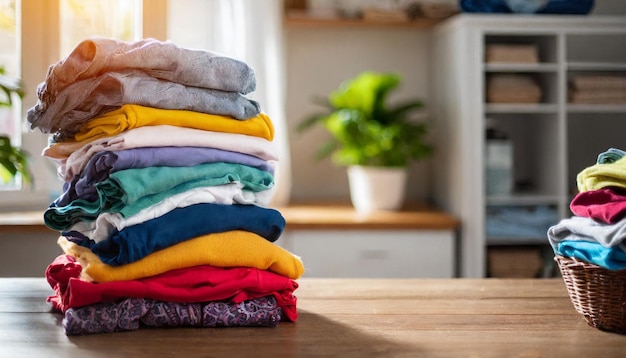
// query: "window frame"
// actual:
[[39, 46]]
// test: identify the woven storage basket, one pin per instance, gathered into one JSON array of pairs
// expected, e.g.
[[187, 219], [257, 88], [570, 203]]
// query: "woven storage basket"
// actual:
[[597, 293]]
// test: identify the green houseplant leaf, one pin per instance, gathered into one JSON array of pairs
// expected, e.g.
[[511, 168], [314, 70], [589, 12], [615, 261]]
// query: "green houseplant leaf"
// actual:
[[13, 160], [8, 86], [365, 129]]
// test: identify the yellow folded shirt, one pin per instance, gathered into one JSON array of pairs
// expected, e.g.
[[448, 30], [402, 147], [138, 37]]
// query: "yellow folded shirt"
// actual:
[[602, 175], [131, 116], [226, 249]]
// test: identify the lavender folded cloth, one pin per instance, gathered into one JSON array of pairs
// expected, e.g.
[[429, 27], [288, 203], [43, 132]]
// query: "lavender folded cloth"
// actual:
[[131, 313], [102, 164]]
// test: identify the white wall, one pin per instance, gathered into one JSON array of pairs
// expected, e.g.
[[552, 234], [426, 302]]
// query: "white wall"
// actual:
[[318, 60]]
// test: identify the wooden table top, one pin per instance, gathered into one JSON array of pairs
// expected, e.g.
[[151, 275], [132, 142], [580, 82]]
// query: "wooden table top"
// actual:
[[341, 318]]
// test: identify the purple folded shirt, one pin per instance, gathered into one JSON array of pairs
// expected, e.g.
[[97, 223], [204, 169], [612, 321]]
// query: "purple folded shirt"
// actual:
[[132, 313], [104, 163]]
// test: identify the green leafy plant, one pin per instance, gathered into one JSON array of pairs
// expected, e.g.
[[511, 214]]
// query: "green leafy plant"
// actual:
[[13, 160], [365, 129]]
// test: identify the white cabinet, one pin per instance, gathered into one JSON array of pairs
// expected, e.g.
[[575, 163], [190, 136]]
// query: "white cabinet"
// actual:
[[553, 139], [423, 253], [334, 240]]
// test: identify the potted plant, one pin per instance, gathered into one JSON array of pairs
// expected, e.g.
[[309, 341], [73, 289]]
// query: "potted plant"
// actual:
[[13, 160], [374, 140]]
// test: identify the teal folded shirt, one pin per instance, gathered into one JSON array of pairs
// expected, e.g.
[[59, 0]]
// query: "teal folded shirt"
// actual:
[[129, 191]]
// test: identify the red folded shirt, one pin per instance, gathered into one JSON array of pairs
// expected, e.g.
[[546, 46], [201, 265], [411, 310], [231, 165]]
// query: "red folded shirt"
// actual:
[[193, 284], [607, 205]]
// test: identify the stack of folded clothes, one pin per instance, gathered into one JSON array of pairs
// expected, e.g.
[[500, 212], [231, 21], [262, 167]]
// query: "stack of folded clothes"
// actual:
[[513, 88], [168, 171], [597, 89], [596, 233]]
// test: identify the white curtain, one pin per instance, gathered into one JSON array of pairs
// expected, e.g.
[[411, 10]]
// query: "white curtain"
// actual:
[[251, 31]]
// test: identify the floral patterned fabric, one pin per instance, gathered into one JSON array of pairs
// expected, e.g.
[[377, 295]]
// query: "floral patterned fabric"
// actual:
[[132, 313]]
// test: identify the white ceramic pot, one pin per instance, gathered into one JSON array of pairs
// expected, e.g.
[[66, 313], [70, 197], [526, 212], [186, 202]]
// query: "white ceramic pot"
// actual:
[[376, 188]]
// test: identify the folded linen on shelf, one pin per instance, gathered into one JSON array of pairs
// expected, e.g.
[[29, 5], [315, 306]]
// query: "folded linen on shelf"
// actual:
[[512, 88], [598, 82]]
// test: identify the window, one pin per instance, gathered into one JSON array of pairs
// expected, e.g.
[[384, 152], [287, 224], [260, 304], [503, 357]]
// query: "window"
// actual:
[[8, 36], [85, 18], [52, 28], [9, 116]]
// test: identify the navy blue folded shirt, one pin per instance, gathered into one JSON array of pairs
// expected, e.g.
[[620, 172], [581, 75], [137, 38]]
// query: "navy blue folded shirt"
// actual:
[[135, 242]]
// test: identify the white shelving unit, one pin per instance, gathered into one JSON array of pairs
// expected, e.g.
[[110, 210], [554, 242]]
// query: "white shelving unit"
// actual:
[[553, 140]]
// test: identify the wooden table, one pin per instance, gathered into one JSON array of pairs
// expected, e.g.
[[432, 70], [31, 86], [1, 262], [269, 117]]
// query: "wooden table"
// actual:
[[341, 318]]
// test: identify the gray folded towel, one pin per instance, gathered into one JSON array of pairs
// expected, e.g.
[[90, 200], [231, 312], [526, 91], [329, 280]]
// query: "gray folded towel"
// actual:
[[92, 97], [165, 60]]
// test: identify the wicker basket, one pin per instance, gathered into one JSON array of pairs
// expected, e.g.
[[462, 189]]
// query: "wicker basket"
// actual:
[[597, 293]]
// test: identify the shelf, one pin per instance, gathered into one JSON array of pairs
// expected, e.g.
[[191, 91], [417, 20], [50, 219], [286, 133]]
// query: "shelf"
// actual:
[[521, 67], [514, 241], [596, 108], [297, 19], [596, 66], [491, 108], [522, 200]]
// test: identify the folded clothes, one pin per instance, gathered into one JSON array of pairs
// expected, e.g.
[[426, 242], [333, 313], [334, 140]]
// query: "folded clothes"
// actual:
[[228, 194], [228, 249], [192, 284], [611, 258], [132, 313], [131, 116], [73, 158], [92, 97], [103, 164], [192, 67], [598, 82], [607, 205], [519, 222], [135, 242], [587, 229], [611, 155], [597, 96], [147, 186], [602, 175]]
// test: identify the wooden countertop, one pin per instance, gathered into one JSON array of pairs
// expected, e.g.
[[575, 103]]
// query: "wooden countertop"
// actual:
[[297, 216], [23, 221], [343, 216], [341, 317]]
